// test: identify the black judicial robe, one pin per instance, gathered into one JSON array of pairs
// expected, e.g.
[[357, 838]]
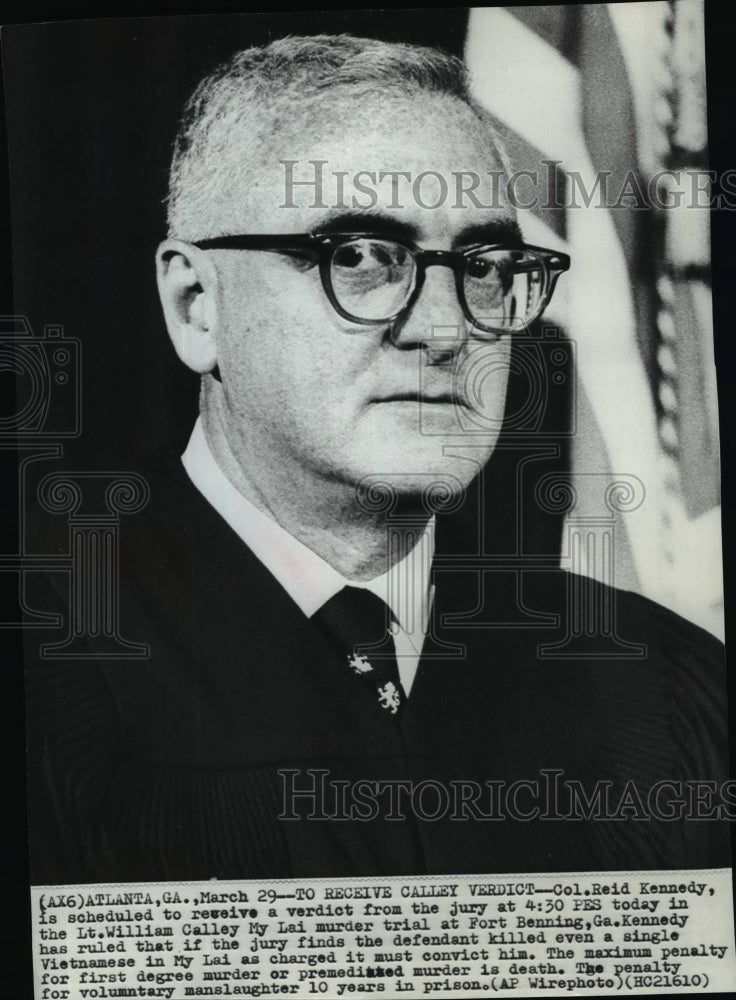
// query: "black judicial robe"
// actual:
[[181, 765]]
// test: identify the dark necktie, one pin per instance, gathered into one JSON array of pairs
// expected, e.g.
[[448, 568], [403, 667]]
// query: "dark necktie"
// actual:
[[355, 622]]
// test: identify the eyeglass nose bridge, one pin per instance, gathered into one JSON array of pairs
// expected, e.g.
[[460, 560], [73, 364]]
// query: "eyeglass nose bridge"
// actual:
[[449, 258], [442, 258], [423, 259]]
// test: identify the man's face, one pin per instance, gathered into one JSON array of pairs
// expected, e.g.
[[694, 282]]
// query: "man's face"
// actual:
[[318, 397]]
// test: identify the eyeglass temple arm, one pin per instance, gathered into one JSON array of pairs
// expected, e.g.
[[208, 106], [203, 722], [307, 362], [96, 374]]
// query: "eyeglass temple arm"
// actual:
[[281, 241]]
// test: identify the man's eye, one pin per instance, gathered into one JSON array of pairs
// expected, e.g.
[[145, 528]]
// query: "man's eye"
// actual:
[[350, 256], [369, 254], [478, 268]]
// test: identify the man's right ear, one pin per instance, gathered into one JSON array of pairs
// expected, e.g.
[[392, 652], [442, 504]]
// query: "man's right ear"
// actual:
[[187, 283]]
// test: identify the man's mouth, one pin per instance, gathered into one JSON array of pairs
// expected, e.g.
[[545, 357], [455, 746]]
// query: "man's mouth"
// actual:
[[423, 398]]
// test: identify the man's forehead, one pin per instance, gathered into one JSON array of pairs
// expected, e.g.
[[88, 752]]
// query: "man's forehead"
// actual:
[[411, 156]]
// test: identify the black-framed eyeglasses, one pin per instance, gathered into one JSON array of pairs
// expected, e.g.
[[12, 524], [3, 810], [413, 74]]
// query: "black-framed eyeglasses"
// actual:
[[372, 280]]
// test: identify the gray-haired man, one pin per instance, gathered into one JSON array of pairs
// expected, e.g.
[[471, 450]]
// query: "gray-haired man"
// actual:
[[320, 699]]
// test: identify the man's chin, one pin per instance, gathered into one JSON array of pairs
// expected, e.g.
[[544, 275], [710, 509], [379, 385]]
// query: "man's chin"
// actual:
[[430, 480]]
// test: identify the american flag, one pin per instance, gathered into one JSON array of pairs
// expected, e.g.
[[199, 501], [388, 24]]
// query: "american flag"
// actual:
[[614, 94]]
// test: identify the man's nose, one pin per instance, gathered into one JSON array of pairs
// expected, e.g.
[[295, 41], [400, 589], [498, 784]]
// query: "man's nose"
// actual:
[[436, 318]]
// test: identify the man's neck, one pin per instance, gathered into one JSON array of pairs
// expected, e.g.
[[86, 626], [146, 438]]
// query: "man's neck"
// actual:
[[324, 515]]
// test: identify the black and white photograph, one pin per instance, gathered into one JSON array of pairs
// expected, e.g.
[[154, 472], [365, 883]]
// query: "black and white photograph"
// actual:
[[365, 444]]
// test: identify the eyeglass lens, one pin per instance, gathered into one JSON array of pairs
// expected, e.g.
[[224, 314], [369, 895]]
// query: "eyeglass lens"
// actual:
[[373, 279]]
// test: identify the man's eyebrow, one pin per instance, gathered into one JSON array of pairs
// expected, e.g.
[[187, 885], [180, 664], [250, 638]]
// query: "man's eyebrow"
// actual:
[[506, 231], [375, 223]]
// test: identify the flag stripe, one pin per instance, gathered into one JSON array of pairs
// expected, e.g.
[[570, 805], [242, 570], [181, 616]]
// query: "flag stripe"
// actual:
[[545, 107]]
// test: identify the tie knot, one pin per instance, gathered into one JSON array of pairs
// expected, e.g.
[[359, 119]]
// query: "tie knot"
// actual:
[[356, 617]]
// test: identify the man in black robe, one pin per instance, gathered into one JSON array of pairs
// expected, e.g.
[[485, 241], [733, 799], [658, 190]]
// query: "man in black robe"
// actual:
[[324, 695]]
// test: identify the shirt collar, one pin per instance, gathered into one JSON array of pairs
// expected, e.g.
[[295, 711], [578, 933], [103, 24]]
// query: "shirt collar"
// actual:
[[305, 576]]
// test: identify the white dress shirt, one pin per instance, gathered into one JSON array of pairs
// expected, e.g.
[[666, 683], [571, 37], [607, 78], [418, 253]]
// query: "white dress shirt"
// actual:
[[305, 576]]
